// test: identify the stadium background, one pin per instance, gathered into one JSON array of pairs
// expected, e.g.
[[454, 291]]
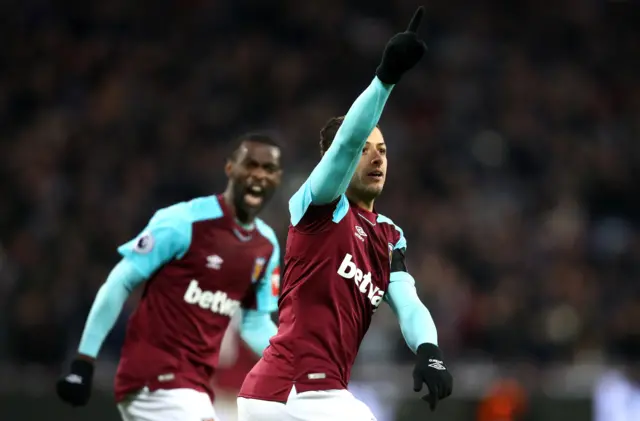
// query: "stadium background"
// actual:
[[513, 171]]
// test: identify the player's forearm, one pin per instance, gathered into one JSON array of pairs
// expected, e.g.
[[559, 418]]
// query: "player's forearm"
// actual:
[[415, 320], [331, 176], [417, 326], [107, 307], [256, 330]]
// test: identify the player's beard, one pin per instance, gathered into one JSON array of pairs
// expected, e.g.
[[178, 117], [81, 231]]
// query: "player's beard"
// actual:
[[244, 212], [366, 192]]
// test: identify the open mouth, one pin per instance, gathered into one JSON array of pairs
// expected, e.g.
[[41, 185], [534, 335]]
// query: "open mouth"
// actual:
[[376, 175], [254, 196]]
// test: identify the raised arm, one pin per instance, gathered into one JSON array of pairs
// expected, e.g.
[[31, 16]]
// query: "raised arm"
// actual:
[[330, 178]]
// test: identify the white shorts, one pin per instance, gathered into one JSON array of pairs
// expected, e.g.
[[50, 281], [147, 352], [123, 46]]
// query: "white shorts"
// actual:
[[167, 405], [321, 405]]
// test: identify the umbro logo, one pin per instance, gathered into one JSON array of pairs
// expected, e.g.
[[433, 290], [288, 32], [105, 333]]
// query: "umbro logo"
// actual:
[[214, 262], [438, 365], [74, 378], [360, 234], [144, 243]]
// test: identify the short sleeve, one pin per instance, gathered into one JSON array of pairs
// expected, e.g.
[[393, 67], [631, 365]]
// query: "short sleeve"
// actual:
[[167, 236], [301, 201], [401, 242], [397, 245]]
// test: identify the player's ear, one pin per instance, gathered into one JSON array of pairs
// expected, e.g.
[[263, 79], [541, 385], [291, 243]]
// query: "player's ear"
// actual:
[[228, 167]]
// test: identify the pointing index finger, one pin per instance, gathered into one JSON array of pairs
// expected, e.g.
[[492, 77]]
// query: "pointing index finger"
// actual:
[[415, 20]]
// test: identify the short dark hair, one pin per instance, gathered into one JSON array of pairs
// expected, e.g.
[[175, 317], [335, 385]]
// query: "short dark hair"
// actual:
[[328, 132], [266, 138]]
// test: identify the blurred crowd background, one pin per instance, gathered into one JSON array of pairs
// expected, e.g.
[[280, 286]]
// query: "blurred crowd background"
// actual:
[[514, 160]]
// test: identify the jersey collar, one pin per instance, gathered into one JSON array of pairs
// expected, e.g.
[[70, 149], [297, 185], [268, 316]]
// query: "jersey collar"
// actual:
[[370, 217]]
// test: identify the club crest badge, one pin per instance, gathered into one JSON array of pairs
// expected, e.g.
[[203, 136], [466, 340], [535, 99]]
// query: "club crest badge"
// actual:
[[144, 243], [257, 269]]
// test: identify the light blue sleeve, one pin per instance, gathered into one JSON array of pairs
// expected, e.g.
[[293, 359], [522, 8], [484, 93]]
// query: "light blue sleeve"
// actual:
[[331, 177], [166, 237], [256, 329], [106, 308], [415, 320], [402, 242]]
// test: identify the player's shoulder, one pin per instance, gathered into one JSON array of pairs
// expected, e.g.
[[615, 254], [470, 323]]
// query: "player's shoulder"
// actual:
[[301, 207], [266, 231], [400, 241], [195, 210], [381, 219]]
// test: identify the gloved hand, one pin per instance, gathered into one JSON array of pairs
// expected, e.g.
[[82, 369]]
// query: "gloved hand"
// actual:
[[403, 51], [75, 387], [431, 371]]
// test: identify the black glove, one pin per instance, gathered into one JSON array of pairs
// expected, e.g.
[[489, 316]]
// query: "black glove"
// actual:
[[431, 371], [75, 387], [403, 51]]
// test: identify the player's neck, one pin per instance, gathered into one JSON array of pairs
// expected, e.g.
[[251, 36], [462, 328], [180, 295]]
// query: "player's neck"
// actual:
[[366, 204], [245, 221]]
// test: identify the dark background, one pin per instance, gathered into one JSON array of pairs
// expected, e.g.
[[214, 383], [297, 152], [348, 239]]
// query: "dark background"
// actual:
[[514, 159]]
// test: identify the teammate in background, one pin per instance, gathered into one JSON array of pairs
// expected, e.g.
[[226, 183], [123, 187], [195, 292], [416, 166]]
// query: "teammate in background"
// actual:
[[201, 260], [342, 260]]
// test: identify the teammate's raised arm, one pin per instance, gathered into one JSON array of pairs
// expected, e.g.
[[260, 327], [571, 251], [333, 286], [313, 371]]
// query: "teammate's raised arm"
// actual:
[[331, 176]]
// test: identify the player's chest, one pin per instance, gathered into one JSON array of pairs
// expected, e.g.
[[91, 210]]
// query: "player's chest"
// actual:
[[369, 245], [222, 259]]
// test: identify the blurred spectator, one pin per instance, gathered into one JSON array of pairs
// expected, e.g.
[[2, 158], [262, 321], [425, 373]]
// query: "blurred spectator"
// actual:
[[505, 401]]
